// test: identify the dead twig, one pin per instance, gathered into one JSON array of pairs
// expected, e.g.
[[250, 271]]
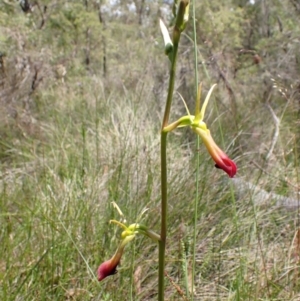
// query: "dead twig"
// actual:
[[276, 132], [177, 287]]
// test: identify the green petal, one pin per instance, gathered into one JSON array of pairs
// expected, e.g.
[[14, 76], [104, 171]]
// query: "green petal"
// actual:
[[197, 109], [202, 112]]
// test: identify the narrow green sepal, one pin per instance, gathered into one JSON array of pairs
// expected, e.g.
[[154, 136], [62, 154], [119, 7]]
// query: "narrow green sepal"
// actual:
[[200, 115], [197, 108]]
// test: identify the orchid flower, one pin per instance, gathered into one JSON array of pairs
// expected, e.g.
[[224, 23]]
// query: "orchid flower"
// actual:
[[199, 127], [109, 267]]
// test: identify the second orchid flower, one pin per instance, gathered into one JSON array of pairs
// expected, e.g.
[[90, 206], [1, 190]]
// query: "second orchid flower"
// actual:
[[197, 124]]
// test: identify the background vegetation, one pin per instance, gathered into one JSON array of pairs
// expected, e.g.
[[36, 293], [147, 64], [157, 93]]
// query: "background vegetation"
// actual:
[[82, 89]]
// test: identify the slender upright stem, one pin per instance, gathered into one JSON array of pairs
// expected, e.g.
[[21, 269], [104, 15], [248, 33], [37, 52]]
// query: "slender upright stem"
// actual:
[[179, 25], [163, 233], [164, 179], [171, 86]]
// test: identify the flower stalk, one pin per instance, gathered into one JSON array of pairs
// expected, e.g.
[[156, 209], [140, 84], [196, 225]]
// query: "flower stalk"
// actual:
[[181, 19]]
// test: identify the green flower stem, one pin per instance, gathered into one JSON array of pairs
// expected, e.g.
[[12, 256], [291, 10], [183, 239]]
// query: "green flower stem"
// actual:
[[164, 184], [179, 26], [163, 225]]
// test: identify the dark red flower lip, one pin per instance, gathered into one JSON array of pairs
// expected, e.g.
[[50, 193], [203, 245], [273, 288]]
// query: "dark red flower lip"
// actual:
[[221, 159], [109, 267], [106, 269], [228, 166]]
